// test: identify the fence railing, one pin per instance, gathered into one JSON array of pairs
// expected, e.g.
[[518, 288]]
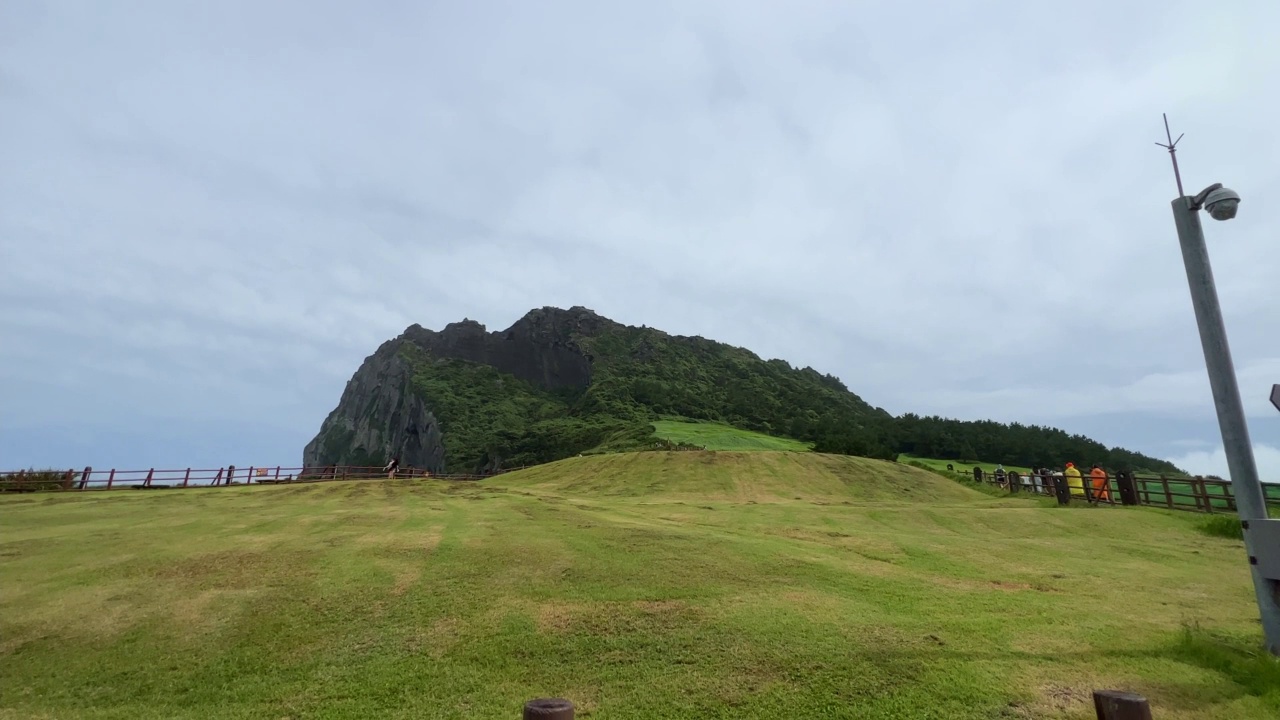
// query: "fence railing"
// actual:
[[160, 479], [1197, 493]]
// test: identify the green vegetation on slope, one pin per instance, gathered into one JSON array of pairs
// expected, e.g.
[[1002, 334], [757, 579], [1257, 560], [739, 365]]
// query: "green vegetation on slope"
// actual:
[[719, 436], [491, 419], [641, 375], [651, 585]]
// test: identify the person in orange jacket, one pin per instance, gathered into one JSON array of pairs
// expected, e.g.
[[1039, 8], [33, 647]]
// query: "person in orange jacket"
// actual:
[[1098, 479]]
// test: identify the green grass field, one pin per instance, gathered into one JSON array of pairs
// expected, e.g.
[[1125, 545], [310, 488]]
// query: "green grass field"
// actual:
[[718, 436], [650, 585]]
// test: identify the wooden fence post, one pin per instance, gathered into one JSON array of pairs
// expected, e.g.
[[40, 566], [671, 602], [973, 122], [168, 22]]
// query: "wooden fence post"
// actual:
[[1202, 494], [1128, 490], [1164, 485], [231, 473], [550, 709], [248, 479], [84, 477], [1061, 489], [1118, 705], [68, 479], [186, 478], [277, 473], [150, 474], [111, 478]]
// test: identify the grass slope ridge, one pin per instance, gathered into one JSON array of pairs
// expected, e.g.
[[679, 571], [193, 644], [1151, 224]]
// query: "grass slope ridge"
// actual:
[[755, 585], [739, 477], [719, 436]]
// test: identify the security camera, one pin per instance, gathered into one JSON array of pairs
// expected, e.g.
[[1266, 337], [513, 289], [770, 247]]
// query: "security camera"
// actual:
[[1222, 203]]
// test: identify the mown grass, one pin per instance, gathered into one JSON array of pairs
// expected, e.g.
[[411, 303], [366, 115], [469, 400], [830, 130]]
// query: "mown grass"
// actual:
[[718, 436], [650, 585]]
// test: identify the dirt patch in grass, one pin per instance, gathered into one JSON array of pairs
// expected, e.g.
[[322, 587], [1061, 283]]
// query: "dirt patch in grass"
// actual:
[[229, 569], [405, 579], [974, 585], [436, 639], [610, 618], [100, 612]]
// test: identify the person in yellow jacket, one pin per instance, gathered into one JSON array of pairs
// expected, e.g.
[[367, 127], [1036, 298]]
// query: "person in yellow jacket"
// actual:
[[1074, 481]]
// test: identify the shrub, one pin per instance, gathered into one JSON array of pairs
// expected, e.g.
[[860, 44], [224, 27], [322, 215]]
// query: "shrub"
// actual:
[[1224, 526]]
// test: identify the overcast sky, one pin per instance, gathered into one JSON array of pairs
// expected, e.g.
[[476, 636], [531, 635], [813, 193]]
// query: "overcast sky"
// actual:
[[210, 213]]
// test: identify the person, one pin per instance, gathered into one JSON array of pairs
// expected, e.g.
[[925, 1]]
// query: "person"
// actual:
[[391, 468], [1098, 479], [1000, 475], [1074, 480], [1039, 479]]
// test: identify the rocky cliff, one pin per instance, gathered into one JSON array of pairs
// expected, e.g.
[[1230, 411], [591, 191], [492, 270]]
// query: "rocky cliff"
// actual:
[[381, 415]]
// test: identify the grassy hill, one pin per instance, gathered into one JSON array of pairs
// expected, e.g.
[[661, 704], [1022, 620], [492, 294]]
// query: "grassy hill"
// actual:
[[650, 585], [719, 436]]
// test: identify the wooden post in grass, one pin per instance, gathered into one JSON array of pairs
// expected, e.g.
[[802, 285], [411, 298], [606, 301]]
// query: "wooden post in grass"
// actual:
[[1120, 705], [1128, 490], [84, 477], [1062, 489], [548, 709]]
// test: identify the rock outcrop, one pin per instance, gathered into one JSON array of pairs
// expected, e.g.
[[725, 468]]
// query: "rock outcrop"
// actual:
[[540, 348], [379, 415]]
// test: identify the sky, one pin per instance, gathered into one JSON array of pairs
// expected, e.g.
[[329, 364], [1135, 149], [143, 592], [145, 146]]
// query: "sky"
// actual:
[[211, 213]]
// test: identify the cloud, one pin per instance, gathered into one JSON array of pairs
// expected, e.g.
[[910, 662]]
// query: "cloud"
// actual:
[[214, 212], [1214, 462]]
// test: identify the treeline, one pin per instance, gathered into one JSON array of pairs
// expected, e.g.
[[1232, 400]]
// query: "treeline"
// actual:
[[1014, 443]]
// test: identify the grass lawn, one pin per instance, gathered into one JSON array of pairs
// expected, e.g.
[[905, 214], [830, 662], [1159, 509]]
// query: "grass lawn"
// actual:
[[649, 585], [718, 436]]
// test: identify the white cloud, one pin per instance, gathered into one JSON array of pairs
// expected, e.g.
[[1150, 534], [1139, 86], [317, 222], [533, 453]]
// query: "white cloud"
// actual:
[[1214, 462], [956, 210]]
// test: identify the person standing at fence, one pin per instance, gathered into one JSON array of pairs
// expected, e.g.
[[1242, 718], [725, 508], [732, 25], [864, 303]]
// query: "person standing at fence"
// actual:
[[1074, 480], [391, 468], [1000, 475], [1098, 479], [1039, 478]]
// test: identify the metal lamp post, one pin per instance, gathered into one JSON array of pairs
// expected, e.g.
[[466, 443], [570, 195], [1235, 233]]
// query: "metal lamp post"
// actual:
[[1261, 534]]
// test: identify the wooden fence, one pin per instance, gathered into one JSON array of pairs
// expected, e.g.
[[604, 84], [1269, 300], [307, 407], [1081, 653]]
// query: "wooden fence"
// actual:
[[1198, 494], [159, 479]]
